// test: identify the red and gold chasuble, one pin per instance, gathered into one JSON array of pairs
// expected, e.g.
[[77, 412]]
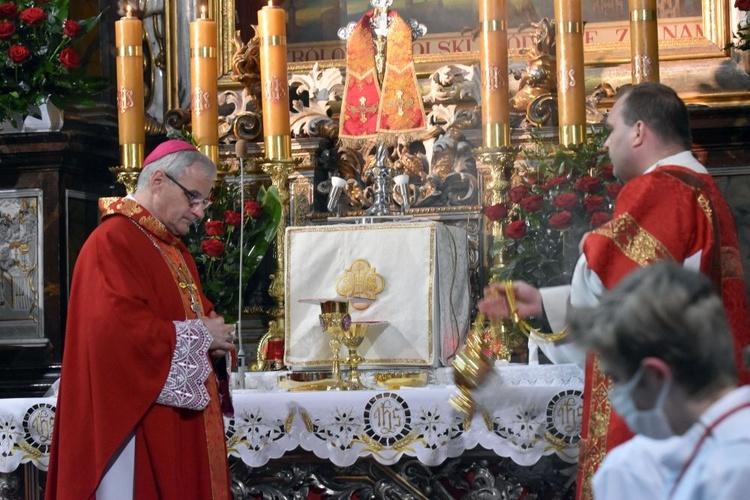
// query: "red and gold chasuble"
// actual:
[[671, 213], [120, 340], [369, 112]]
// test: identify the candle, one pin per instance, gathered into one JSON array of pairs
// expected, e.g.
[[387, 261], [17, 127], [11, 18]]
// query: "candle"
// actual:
[[644, 42], [571, 88], [274, 82], [130, 101], [493, 65], [204, 85]]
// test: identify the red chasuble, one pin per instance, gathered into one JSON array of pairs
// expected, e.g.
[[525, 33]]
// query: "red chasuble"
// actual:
[[671, 213], [119, 345]]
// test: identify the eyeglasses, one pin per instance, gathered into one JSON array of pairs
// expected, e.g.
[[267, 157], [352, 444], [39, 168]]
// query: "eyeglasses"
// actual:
[[194, 198]]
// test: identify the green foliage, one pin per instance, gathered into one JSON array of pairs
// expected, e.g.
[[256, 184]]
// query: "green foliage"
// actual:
[[38, 60], [215, 243]]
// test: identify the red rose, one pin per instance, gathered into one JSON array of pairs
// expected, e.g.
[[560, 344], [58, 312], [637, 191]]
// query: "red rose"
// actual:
[[561, 220], [516, 229], [496, 212], [8, 10], [742, 4], [588, 184], [214, 228], [69, 57], [613, 190], [71, 28], [212, 247], [599, 218], [18, 54], [33, 15], [607, 172], [253, 209], [532, 203], [516, 194], [232, 218], [594, 203], [555, 182], [7, 28], [566, 201]]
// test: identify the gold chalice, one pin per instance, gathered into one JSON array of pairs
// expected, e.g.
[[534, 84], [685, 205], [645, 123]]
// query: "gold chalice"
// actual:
[[335, 320], [352, 339]]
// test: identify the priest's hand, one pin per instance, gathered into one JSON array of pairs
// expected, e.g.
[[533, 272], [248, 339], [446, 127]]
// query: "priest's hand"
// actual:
[[221, 333], [495, 302]]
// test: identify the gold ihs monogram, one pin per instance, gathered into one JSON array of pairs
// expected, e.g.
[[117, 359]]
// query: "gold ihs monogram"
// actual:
[[124, 99], [274, 91], [360, 280], [200, 100]]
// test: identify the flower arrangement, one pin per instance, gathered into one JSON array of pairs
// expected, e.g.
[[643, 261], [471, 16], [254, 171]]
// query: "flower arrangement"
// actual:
[[215, 243], [558, 194], [38, 60], [743, 28]]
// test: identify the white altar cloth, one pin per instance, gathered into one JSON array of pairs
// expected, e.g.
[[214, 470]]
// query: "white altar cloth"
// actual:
[[529, 412], [416, 273]]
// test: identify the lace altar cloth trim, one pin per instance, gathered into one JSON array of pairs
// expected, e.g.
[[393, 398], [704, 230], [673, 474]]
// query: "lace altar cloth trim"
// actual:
[[186, 383], [531, 411]]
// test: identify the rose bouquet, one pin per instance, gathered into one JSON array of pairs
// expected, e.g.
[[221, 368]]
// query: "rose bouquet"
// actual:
[[557, 195], [38, 60], [215, 243]]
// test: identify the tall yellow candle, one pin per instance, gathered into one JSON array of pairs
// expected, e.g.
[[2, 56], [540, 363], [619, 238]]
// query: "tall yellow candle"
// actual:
[[493, 64], [274, 82], [644, 41], [130, 101], [571, 85], [204, 93]]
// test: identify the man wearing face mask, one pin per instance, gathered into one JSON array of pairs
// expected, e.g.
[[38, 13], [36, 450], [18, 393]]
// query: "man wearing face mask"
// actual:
[[663, 337]]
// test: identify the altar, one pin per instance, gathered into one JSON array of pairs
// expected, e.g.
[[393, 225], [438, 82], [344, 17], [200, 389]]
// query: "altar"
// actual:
[[529, 414]]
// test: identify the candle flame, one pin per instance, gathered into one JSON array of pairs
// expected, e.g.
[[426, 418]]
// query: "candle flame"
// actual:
[[203, 11], [129, 11], [270, 3]]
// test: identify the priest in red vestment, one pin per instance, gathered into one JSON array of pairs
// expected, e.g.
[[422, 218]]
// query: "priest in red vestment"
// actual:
[[138, 412], [669, 209]]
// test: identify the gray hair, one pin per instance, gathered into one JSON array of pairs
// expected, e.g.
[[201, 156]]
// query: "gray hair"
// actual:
[[663, 311], [175, 164]]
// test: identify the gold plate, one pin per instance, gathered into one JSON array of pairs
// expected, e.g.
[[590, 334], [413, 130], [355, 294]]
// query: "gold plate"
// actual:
[[307, 381], [395, 380]]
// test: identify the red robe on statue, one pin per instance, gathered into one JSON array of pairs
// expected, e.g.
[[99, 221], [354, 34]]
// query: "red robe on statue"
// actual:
[[671, 213], [119, 346]]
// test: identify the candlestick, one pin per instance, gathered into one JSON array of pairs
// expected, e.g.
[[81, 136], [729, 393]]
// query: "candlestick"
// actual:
[[204, 93], [571, 88], [130, 101], [644, 41], [274, 82], [493, 65]]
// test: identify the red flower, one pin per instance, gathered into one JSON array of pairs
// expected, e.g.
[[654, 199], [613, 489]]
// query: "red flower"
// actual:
[[7, 28], [742, 4], [496, 212], [607, 172], [566, 201], [561, 220], [232, 218], [212, 247], [253, 209], [18, 54], [614, 189], [516, 229], [33, 15], [8, 10], [532, 203], [594, 203], [214, 228], [69, 57], [71, 28], [599, 218], [517, 193], [588, 184]]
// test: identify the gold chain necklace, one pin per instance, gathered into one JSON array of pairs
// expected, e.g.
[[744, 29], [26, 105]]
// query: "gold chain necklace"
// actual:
[[181, 273]]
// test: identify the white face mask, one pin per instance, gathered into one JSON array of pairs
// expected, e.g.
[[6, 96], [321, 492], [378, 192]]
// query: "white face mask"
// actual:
[[651, 423]]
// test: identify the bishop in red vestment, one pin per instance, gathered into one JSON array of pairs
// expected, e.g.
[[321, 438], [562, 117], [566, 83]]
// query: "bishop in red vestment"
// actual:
[[138, 411]]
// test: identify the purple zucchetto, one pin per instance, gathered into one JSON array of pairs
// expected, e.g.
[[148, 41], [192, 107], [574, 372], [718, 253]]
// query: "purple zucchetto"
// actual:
[[167, 148]]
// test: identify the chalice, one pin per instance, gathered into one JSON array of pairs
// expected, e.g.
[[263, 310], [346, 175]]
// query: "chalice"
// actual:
[[335, 320], [352, 339]]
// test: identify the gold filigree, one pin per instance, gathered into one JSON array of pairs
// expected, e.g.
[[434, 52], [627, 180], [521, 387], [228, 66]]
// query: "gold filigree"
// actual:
[[635, 242], [360, 280]]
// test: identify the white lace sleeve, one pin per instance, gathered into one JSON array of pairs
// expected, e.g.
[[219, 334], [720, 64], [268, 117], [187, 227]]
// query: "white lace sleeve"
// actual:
[[186, 383]]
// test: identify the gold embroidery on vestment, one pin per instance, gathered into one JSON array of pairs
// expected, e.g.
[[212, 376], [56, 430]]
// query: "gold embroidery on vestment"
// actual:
[[634, 241]]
